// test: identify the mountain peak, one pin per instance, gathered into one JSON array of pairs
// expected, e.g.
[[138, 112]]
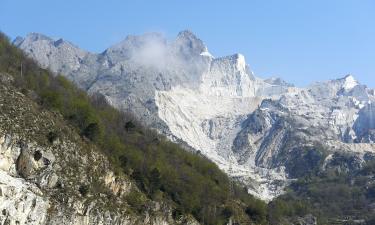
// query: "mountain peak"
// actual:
[[186, 34], [349, 76], [37, 36], [349, 82], [31, 37], [189, 44]]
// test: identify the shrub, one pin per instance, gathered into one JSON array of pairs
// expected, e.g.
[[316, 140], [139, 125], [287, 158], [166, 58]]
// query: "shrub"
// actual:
[[193, 184], [83, 190], [92, 131], [136, 200], [129, 126], [52, 136]]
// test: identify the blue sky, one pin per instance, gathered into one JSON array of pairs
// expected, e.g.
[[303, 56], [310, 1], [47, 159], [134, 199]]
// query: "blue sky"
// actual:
[[301, 41]]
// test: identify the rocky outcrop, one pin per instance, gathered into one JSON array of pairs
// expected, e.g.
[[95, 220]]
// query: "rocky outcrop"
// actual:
[[49, 175], [258, 131], [364, 125], [307, 220]]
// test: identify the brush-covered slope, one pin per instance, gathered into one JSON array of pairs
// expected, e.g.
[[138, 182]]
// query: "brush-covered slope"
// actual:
[[250, 127], [176, 86], [67, 158], [316, 144]]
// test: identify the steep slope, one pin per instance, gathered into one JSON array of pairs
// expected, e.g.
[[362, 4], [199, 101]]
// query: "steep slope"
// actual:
[[92, 164], [208, 118], [255, 130], [147, 75], [129, 72], [48, 175]]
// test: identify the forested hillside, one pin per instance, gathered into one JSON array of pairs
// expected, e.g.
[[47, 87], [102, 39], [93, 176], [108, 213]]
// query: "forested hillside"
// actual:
[[162, 170], [341, 193]]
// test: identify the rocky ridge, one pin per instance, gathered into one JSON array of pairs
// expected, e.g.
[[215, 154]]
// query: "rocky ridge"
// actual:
[[256, 130], [49, 175]]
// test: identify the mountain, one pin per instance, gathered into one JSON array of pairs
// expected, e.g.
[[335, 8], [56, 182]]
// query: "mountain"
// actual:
[[264, 133], [70, 158], [49, 172]]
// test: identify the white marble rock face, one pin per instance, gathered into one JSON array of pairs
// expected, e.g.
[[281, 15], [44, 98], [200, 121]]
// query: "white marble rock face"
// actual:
[[217, 105]]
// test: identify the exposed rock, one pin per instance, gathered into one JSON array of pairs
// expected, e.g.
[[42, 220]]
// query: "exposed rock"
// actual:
[[41, 181], [256, 130], [307, 220]]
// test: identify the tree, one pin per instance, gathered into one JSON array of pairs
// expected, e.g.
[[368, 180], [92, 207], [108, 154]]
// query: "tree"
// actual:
[[129, 126], [154, 180], [92, 131]]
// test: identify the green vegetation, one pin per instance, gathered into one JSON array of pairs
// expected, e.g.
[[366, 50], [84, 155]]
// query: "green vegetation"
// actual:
[[334, 196], [187, 181], [162, 170]]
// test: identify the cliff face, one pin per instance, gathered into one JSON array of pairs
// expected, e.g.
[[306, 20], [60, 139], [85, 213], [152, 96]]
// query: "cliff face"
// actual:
[[253, 129], [50, 175]]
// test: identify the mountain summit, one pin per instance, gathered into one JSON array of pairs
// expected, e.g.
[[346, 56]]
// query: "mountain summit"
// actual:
[[261, 132], [189, 44], [349, 82]]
